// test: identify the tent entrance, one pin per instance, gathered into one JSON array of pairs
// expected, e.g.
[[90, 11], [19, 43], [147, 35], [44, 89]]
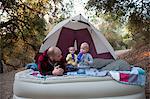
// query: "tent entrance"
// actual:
[[69, 36]]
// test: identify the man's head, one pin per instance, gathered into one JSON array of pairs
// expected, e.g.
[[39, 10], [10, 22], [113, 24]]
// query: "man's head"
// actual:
[[54, 53], [84, 48]]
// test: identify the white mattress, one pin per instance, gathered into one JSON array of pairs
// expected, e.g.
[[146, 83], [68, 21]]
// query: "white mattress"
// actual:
[[27, 86]]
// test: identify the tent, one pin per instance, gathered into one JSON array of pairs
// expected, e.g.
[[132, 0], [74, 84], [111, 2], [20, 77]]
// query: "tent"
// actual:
[[73, 32]]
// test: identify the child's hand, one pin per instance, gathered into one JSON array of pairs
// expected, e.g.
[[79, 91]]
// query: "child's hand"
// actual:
[[79, 57], [87, 62], [57, 71]]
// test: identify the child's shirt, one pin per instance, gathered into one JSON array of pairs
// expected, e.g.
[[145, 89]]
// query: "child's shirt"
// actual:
[[82, 58], [71, 59]]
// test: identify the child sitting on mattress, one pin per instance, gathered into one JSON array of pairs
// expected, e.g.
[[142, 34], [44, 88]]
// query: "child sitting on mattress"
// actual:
[[71, 60], [84, 58], [71, 57]]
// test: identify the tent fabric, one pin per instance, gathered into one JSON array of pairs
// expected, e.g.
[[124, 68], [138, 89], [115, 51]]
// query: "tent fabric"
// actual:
[[73, 32]]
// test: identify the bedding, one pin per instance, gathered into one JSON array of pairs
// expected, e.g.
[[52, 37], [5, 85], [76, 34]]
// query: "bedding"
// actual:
[[119, 70], [118, 65], [135, 76], [99, 63]]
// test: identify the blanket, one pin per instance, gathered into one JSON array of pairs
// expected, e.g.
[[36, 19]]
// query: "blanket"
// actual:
[[136, 76]]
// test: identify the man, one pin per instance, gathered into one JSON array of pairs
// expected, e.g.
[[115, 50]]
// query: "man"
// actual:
[[51, 62]]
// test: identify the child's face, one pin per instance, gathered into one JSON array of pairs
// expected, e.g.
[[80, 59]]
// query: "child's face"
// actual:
[[84, 49], [72, 50]]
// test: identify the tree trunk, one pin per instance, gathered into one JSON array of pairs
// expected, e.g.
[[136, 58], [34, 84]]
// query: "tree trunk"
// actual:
[[1, 64]]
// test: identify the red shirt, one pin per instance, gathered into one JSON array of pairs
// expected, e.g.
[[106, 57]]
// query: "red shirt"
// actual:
[[46, 66]]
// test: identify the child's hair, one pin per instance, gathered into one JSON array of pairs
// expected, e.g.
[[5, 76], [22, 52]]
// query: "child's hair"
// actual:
[[71, 47], [85, 45]]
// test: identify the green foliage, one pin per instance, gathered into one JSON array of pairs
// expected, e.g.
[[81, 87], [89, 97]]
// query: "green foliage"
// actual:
[[111, 32], [24, 20], [116, 41], [22, 27], [127, 39], [64, 11], [134, 13], [140, 28]]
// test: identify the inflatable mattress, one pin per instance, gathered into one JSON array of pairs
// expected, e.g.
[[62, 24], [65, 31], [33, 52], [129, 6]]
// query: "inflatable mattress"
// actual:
[[27, 86]]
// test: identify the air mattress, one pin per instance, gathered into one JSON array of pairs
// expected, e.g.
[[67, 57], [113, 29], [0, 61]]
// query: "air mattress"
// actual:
[[73, 87]]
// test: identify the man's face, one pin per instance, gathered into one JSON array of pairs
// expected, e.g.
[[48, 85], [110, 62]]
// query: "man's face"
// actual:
[[58, 56]]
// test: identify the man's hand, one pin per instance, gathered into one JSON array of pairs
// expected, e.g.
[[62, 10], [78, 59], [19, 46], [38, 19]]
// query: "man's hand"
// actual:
[[58, 71]]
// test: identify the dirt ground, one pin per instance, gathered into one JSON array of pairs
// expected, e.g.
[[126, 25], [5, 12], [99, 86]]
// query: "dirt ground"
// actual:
[[6, 85], [133, 57], [140, 56]]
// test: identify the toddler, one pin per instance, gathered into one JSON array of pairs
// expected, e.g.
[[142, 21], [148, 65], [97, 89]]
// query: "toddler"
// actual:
[[84, 58]]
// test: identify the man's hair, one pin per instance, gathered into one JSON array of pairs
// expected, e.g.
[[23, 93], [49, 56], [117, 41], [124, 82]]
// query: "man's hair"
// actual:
[[52, 51]]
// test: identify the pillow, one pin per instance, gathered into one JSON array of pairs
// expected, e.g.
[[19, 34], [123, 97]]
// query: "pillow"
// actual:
[[118, 65], [99, 62]]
